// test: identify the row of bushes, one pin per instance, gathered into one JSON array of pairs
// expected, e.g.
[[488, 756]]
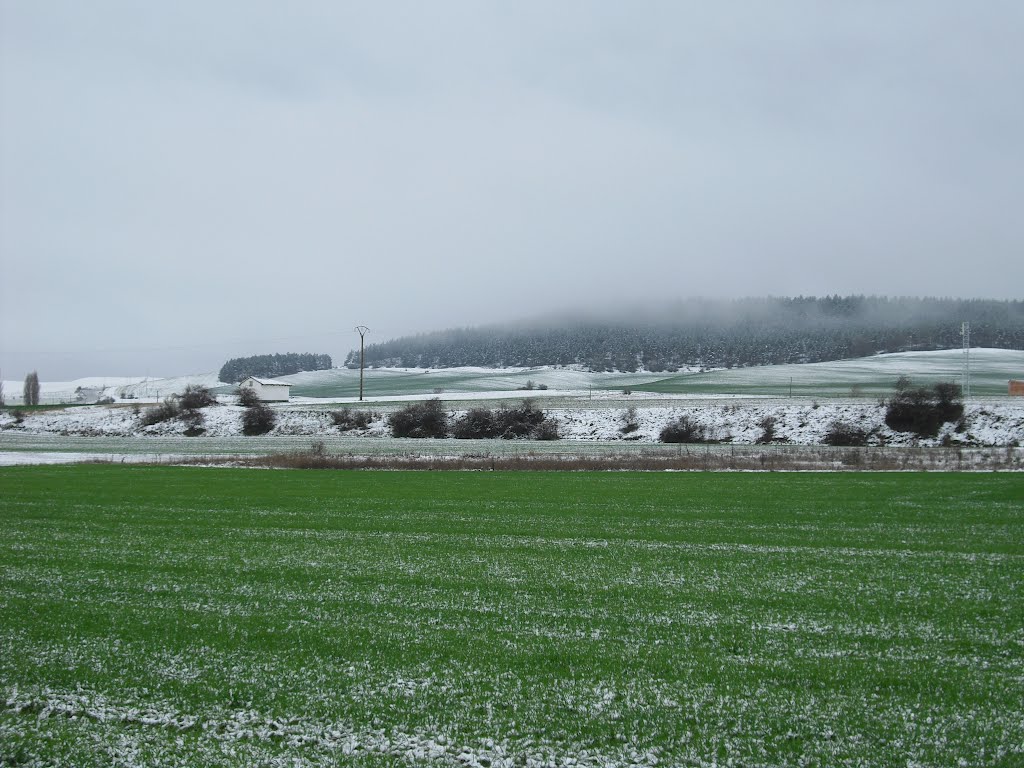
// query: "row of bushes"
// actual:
[[429, 419], [917, 409]]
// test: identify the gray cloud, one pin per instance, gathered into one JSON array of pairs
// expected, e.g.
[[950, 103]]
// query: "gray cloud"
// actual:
[[184, 182]]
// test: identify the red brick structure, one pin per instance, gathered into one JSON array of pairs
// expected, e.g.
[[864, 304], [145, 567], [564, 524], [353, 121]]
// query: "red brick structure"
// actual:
[[1016, 387]]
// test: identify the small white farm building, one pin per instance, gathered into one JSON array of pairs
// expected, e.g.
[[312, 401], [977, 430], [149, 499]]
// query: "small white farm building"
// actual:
[[267, 391]]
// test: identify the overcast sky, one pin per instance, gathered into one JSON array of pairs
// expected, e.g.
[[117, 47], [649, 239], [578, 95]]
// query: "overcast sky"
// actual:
[[183, 182]]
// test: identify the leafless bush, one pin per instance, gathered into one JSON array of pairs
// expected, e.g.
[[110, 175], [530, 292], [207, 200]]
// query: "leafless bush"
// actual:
[[30, 392], [248, 397], [426, 419], [630, 421], [546, 430], [525, 421], [195, 397], [767, 425], [475, 424], [193, 420], [923, 410], [347, 419], [684, 430], [258, 420], [844, 434], [165, 411]]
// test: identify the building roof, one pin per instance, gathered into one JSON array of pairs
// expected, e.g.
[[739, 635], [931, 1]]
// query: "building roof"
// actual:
[[267, 382]]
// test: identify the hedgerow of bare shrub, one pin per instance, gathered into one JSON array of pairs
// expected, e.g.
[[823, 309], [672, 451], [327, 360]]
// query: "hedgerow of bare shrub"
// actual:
[[193, 420], [248, 396], [195, 397], [165, 411], [525, 421], [258, 420], [347, 419], [684, 430], [425, 419], [475, 424], [787, 458], [845, 435], [546, 430], [923, 410], [630, 421], [767, 425]]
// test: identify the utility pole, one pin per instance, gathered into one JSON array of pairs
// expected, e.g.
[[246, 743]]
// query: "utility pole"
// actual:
[[965, 331], [362, 330]]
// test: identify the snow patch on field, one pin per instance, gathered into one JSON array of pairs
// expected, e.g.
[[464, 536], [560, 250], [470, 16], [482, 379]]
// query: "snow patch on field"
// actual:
[[249, 727]]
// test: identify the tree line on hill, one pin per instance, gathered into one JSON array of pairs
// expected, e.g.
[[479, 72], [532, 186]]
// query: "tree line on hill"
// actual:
[[270, 366], [715, 334]]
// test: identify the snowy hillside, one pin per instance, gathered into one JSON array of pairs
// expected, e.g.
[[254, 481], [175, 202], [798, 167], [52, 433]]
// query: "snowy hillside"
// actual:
[[874, 375], [93, 388], [796, 421]]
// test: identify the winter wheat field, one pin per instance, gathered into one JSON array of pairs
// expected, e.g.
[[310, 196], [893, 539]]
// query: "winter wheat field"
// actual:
[[178, 615], [159, 616]]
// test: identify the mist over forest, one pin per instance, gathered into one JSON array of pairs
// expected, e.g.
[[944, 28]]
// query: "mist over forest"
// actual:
[[712, 333]]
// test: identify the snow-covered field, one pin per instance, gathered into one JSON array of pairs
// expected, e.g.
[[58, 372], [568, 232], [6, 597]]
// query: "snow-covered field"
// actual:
[[990, 371]]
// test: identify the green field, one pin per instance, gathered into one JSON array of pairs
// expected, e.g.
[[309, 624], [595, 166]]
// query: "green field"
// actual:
[[990, 371], [195, 616]]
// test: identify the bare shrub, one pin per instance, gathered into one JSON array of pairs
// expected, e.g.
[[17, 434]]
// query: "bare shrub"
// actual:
[[165, 411], [193, 420], [30, 392], [476, 424], [195, 397], [525, 421], [258, 420], [684, 430], [767, 425], [347, 419], [846, 435], [546, 430], [923, 410], [630, 421], [248, 396], [425, 419], [520, 422]]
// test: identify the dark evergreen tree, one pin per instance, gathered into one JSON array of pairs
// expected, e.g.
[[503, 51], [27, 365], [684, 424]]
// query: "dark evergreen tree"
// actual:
[[710, 334], [272, 366]]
